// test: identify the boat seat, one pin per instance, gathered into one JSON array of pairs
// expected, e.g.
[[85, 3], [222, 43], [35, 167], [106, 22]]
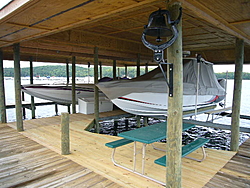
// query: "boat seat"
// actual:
[[187, 149]]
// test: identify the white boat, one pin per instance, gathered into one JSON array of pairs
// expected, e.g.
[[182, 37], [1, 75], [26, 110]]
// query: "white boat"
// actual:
[[147, 95], [61, 94]]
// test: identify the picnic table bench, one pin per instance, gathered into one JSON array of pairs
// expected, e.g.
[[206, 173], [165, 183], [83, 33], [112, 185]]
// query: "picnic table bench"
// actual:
[[149, 135]]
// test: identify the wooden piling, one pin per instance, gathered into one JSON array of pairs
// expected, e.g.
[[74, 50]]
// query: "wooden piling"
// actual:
[[174, 122], [126, 70], [100, 69], [115, 127], [114, 69], [17, 79], [68, 106], [138, 62], [23, 109], [146, 68], [126, 124], [138, 121], [67, 71], [56, 109], [73, 85], [3, 118], [33, 108], [96, 91], [235, 122], [145, 121], [65, 145]]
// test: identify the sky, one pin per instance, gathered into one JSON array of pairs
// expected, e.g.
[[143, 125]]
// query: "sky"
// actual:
[[217, 68]]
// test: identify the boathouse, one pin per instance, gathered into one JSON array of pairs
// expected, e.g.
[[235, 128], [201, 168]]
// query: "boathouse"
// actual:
[[108, 33]]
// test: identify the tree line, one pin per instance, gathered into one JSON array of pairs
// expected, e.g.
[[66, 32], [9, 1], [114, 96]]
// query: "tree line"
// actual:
[[230, 75], [60, 71]]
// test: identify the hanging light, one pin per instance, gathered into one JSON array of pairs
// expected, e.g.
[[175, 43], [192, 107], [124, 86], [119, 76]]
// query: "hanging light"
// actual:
[[160, 26], [157, 26]]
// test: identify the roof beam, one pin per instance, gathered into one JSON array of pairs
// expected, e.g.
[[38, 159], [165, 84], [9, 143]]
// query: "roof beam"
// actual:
[[27, 26], [209, 16], [14, 8], [121, 10]]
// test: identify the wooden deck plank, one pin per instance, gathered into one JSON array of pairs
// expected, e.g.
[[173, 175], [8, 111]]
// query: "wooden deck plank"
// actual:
[[29, 164], [236, 172], [87, 149]]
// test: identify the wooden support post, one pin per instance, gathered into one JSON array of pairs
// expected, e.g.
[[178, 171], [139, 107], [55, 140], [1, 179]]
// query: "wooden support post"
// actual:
[[235, 122], [65, 134], [88, 72], [138, 121], [100, 66], [33, 113], [56, 109], [96, 91], [73, 85], [126, 124], [68, 108], [174, 121], [24, 110], [115, 127], [145, 121], [3, 117], [114, 69], [138, 65], [126, 70], [146, 68], [67, 71], [17, 78]]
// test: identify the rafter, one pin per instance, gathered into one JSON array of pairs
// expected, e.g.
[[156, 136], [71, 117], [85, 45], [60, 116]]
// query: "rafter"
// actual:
[[209, 16]]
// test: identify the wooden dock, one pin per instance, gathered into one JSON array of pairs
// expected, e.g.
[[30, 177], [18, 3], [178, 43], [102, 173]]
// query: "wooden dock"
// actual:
[[236, 173], [25, 163], [88, 150]]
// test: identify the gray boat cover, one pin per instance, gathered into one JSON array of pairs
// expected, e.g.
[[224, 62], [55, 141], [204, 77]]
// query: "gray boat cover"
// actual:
[[154, 82]]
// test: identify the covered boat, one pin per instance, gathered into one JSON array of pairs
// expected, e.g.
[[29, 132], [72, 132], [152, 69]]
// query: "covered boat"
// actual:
[[61, 94], [147, 95]]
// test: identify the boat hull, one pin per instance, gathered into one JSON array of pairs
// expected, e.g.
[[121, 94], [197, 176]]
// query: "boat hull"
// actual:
[[156, 104], [59, 94]]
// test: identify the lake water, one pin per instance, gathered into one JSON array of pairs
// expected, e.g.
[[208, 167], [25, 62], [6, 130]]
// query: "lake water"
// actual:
[[218, 139], [46, 111]]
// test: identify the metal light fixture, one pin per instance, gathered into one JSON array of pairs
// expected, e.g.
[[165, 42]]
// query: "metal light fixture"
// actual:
[[159, 26]]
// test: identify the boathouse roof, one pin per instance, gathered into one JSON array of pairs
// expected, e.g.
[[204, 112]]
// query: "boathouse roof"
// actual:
[[54, 31]]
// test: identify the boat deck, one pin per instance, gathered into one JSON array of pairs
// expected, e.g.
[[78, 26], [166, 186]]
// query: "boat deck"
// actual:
[[88, 150]]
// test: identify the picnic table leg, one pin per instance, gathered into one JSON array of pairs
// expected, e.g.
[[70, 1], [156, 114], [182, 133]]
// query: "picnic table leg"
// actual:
[[203, 154], [143, 156]]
